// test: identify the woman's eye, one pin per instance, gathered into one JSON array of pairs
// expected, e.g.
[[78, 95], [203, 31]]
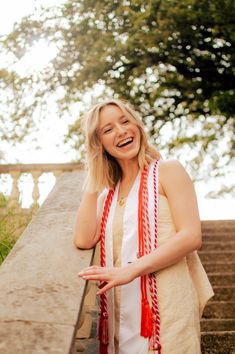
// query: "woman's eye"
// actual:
[[125, 121], [107, 130]]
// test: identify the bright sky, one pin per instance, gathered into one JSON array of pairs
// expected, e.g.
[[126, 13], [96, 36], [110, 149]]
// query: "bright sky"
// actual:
[[39, 147], [49, 147]]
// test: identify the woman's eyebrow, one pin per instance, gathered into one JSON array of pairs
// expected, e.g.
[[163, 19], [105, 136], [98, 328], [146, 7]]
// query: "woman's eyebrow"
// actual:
[[122, 116], [106, 125]]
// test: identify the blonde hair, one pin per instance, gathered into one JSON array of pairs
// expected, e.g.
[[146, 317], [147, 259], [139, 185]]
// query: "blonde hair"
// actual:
[[103, 169]]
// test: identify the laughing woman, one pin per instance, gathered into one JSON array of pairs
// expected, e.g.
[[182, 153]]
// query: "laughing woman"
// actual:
[[143, 211]]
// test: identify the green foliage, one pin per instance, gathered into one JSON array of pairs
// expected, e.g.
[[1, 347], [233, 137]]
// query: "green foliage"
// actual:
[[174, 60], [12, 224], [3, 200]]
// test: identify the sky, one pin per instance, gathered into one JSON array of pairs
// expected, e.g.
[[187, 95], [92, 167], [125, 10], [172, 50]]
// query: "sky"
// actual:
[[46, 145], [37, 147]]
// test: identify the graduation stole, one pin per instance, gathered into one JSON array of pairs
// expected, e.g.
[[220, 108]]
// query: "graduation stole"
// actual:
[[150, 317]]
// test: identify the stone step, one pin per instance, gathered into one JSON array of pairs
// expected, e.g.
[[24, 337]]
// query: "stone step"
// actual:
[[214, 342], [219, 267], [221, 278], [221, 342], [218, 233], [89, 345], [219, 309], [218, 225], [218, 237], [224, 293], [219, 230], [217, 257], [218, 324], [218, 246]]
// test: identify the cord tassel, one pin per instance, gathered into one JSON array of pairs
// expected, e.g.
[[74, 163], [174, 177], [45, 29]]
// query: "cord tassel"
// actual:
[[103, 333], [146, 320], [103, 348], [103, 329]]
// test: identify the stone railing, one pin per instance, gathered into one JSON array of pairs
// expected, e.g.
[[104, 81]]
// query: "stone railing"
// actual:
[[36, 170], [42, 299]]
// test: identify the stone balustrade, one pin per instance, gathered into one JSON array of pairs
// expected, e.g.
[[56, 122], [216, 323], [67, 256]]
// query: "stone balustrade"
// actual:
[[36, 170], [42, 299]]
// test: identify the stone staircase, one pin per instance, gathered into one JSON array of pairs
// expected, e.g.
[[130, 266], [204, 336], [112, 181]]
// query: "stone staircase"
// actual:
[[218, 323], [218, 257]]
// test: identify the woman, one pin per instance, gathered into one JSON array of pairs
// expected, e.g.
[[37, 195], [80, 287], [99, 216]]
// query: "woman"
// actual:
[[153, 287]]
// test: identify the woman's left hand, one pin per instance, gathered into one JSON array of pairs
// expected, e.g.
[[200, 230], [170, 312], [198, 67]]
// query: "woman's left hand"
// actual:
[[109, 277]]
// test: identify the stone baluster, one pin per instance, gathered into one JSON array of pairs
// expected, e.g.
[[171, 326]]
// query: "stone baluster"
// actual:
[[15, 193], [35, 194], [57, 173]]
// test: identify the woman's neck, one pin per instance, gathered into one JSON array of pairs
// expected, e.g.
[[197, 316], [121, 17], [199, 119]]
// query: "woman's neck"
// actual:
[[130, 169]]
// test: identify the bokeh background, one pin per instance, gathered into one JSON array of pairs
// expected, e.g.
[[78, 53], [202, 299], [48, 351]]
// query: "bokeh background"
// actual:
[[173, 60]]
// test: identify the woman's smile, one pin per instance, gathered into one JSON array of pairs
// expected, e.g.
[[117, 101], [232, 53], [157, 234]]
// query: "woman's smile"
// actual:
[[125, 142]]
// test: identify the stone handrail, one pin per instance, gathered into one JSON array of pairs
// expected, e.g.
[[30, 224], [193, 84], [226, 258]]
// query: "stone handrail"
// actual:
[[36, 170], [41, 296]]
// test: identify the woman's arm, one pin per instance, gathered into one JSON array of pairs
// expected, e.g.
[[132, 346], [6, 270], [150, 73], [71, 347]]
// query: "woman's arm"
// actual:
[[86, 230], [181, 196]]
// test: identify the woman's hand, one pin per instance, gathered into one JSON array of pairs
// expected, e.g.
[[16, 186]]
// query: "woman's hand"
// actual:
[[109, 277]]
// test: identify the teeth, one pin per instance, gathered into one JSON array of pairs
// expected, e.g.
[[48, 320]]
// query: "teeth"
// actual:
[[124, 141]]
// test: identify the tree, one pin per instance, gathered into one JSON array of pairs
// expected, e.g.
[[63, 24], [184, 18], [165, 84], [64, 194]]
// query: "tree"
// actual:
[[172, 59]]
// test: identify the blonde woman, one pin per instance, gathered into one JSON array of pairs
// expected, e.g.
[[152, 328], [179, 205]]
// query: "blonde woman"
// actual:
[[144, 212]]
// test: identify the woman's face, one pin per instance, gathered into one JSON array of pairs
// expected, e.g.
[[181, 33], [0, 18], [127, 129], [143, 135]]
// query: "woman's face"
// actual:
[[119, 135]]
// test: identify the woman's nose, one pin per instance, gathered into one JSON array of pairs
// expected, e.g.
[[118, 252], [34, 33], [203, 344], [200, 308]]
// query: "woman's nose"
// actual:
[[120, 129]]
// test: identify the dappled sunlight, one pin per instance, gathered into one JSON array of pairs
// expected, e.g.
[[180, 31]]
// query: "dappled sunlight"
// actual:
[[39, 55]]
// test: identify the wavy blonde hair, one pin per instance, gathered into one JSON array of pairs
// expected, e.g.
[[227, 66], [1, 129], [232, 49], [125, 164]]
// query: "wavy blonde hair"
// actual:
[[103, 169]]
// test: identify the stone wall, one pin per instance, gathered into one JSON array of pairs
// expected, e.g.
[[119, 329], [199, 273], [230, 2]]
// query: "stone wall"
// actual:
[[41, 296]]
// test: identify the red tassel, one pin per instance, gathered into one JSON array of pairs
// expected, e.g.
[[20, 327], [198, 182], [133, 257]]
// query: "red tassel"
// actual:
[[103, 333], [103, 329], [146, 320], [103, 348]]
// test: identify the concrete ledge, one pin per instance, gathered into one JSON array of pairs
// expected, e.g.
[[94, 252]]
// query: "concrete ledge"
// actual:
[[40, 291], [34, 338]]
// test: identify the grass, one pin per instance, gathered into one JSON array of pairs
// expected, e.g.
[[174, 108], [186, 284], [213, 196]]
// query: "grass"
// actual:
[[12, 224]]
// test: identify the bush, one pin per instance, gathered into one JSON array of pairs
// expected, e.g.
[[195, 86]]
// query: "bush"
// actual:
[[3, 200], [12, 224]]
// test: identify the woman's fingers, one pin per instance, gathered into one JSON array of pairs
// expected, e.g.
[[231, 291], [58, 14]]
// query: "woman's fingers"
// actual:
[[105, 288], [109, 277], [91, 270], [102, 277]]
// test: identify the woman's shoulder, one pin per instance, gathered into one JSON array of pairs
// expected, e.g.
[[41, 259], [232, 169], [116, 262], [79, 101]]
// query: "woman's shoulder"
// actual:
[[172, 173], [171, 166]]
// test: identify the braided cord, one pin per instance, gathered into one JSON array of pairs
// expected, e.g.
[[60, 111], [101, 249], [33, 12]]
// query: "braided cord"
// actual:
[[155, 338], [103, 325], [155, 341]]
